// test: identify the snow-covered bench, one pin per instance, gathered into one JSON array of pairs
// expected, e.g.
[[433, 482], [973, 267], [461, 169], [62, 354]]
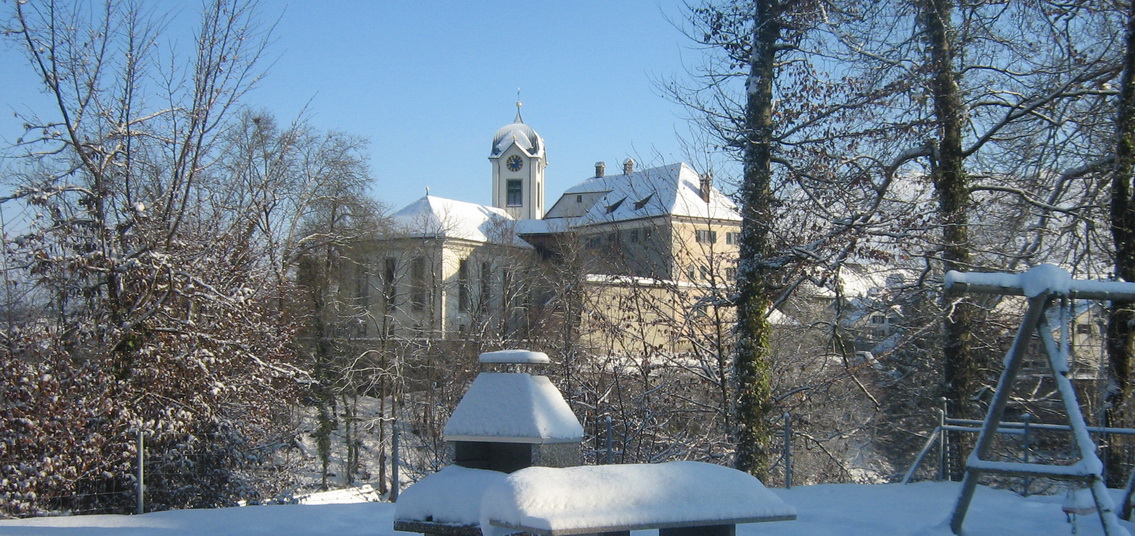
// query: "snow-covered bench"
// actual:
[[678, 498]]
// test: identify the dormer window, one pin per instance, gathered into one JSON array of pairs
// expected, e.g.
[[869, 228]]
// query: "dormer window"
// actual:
[[642, 203], [615, 206]]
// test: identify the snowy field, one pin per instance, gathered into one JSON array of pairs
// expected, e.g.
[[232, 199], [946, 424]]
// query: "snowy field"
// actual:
[[825, 510]]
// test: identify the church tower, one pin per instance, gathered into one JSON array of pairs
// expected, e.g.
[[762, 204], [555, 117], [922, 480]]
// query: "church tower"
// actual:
[[518, 162]]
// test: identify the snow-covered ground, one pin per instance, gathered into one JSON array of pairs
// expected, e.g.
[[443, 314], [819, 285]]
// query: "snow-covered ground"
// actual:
[[824, 510]]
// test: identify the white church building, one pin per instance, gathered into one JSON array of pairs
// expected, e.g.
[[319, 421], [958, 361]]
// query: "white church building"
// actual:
[[454, 268]]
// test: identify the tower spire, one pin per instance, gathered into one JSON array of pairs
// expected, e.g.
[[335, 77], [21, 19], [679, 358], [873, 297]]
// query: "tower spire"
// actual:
[[518, 119]]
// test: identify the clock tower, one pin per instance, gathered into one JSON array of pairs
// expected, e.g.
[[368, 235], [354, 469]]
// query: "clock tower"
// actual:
[[518, 162]]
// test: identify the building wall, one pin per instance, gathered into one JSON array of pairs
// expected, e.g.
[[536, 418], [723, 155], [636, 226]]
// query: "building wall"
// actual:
[[640, 248], [705, 251], [697, 251], [449, 288], [416, 287], [637, 317]]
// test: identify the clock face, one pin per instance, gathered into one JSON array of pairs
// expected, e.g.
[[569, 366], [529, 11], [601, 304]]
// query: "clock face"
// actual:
[[514, 163]]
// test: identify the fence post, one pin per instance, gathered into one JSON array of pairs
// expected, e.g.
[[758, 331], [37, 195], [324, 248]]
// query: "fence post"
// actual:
[[141, 484], [396, 462], [1027, 418], [943, 444], [787, 450]]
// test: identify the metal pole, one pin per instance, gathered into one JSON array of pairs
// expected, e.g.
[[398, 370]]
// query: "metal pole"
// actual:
[[395, 463], [922, 455], [141, 485], [787, 450], [1033, 320]]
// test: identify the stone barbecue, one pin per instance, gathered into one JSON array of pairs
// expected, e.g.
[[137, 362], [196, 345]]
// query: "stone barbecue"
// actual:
[[511, 420], [508, 420]]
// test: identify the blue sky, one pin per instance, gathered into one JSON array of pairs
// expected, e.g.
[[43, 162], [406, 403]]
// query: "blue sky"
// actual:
[[428, 83]]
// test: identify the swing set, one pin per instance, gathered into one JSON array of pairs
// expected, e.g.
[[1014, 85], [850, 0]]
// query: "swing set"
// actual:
[[1044, 287]]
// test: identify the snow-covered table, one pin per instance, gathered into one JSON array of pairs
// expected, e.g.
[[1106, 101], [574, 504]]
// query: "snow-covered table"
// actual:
[[445, 503], [677, 498]]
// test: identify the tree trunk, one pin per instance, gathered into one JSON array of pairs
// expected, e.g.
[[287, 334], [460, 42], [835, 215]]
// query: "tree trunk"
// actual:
[[752, 365], [962, 371], [1121, 321]]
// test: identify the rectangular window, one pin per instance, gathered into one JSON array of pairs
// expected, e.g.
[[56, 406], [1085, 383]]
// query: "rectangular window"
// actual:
[[362, 284], [514, 193], [486, 287], [579, 199], [463, 286], [732, 238], [389, 271], [632, 236], [878, 319], [594, 242], [705, 237], [362, 292], [506, 287], [418, 284]]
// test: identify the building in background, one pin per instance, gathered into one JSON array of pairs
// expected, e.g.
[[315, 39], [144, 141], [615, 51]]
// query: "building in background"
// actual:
[[454, 269]]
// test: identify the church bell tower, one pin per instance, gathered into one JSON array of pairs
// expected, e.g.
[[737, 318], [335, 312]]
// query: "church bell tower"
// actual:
[[518, 161]]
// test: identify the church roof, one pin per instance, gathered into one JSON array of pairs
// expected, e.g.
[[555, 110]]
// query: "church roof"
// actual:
[[438, 217], [519, 133], [673, 190]]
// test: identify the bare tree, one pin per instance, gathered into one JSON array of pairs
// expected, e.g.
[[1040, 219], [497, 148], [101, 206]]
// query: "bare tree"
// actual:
[[1121, 333], [898, 127], [152, 267]]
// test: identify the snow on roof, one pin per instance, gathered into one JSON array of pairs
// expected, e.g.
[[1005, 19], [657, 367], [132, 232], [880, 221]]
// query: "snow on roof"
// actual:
[[864, 280], [572, 498], [621, 280], [533, 227], [522, 135], [514, 356], [777, 318], [433, 216], [513, 408], [673, 190], [451, 496]]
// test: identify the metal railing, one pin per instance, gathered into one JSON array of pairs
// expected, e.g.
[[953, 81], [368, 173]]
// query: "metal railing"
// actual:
[[1025, 429]]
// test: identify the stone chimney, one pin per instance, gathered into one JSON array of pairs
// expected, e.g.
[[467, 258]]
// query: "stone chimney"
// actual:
[[628, 166], [599, 168], [706, 185]]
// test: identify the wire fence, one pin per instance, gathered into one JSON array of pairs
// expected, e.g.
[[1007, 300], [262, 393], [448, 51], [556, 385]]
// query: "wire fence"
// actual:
[[148, 474]]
